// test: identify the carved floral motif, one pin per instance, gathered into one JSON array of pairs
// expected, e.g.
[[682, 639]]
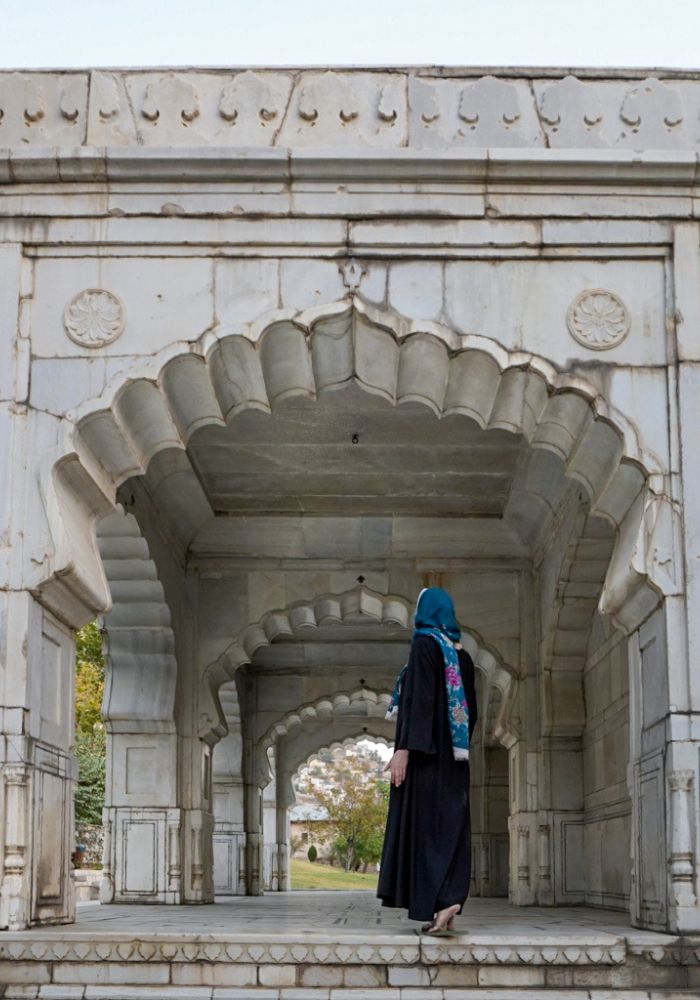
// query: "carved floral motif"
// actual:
[[94, 318], [598, 319]]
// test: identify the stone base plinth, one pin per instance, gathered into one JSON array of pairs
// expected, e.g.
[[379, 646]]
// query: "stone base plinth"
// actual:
[[325, 946]]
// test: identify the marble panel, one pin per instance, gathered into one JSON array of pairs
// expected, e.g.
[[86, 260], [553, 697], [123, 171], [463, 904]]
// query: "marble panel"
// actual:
[[163, 301], [245, 290], [524, 304], [307, 283]]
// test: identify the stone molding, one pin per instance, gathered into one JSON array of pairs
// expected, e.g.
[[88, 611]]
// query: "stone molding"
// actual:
[[533, 167], [595, 949], [360, 108]]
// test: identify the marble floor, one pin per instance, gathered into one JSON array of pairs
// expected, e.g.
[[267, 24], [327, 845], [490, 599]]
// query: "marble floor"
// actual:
[[339, 913]]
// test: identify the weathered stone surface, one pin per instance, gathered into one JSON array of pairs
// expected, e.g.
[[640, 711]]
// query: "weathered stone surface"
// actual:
[[279, 348]]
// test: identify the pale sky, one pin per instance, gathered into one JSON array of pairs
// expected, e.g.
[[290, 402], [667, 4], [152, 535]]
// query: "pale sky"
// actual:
[[570, 33]]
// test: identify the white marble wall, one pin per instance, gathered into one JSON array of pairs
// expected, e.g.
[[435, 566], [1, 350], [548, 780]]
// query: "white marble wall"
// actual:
[[520, 253]]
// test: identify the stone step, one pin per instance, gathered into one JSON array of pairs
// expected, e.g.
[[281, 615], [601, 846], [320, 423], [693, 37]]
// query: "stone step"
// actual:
[[586, 964], [57, 992]]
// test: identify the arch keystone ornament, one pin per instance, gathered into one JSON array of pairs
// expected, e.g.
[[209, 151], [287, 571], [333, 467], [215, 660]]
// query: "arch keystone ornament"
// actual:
[[94, 318], [598, 319]]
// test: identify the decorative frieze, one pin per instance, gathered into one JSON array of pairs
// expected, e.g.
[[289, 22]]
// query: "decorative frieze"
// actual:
[[283, 107], [532, 950]]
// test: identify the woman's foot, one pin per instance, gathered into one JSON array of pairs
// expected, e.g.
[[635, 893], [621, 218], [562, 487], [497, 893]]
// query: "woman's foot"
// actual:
[[443, 921]]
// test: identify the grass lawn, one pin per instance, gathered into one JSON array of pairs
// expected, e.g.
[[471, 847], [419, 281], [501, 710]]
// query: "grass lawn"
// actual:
[[308, 875]]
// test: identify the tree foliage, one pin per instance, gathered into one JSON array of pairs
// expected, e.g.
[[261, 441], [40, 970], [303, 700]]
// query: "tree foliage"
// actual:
[[90, 739], [356, 799]]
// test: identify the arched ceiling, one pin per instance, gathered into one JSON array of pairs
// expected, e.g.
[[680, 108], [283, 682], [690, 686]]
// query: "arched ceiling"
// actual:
[[343, 414]]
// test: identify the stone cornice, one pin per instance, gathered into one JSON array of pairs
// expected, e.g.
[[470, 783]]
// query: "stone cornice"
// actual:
[[477, 167]]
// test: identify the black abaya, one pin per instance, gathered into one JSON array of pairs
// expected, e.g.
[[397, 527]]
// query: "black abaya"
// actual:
[[426, 861]]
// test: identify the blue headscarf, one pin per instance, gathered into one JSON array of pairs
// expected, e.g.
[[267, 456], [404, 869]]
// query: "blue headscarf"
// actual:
[[436, 610], [435, 616]]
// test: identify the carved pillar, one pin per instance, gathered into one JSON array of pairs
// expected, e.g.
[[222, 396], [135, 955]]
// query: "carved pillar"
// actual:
[[253, 805], [681, 858], [285, 798], [15, 896], [544, 864], [270, 853], [523, 856], [484, 868]]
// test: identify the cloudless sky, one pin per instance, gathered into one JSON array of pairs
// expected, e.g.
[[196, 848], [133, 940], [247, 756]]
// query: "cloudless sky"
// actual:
[[60, 33]]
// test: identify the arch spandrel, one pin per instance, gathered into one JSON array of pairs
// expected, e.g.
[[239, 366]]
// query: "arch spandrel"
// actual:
[[282, 355]]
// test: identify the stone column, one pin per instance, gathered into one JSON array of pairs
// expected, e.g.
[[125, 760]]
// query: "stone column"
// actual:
[[252, 799], [229, 835], [37, 771], [270, 854], [285, 799]]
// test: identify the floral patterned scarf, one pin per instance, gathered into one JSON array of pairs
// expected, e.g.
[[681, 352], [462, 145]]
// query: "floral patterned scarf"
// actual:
[[435, 616]]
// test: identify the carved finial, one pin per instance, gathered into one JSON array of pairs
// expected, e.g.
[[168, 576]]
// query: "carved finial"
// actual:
[[386, 108], [352, 272], [69, 104], [33, 110], [170, 92], [652, 100], [576, 99], [108, 102], [490, 98], [245, 96], [424, 101]]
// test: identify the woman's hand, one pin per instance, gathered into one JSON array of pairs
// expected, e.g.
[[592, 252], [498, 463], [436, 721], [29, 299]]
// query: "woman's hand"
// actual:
[[397, 765]]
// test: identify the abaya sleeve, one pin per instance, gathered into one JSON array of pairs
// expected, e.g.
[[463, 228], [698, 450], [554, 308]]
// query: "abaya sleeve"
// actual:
[[414, 729]]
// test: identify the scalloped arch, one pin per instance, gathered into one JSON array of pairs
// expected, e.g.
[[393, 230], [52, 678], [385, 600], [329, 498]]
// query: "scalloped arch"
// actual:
[[351, 608], [291, 354], [361, 704], [330, 745], [188, 386]]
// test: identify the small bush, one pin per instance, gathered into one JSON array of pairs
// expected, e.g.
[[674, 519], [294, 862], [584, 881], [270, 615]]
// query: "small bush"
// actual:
[[312, 853]]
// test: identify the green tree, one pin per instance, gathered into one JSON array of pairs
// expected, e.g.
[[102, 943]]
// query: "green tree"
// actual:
[[356, 801], [90, 739]]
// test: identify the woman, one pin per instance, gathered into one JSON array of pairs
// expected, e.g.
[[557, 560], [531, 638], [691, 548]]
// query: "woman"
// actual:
[[426, 862]]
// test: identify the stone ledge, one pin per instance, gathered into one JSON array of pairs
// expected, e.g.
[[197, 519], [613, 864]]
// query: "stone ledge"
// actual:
[[123, 949], [534, 167]]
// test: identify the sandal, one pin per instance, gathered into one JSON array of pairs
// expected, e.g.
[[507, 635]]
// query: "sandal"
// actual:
[[446, 929]]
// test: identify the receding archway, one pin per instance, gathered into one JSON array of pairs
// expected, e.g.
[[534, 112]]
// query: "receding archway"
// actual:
[[571, 453]]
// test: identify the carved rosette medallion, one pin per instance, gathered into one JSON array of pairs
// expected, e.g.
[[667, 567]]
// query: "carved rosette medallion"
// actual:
[[598, 319], [94, 318]]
